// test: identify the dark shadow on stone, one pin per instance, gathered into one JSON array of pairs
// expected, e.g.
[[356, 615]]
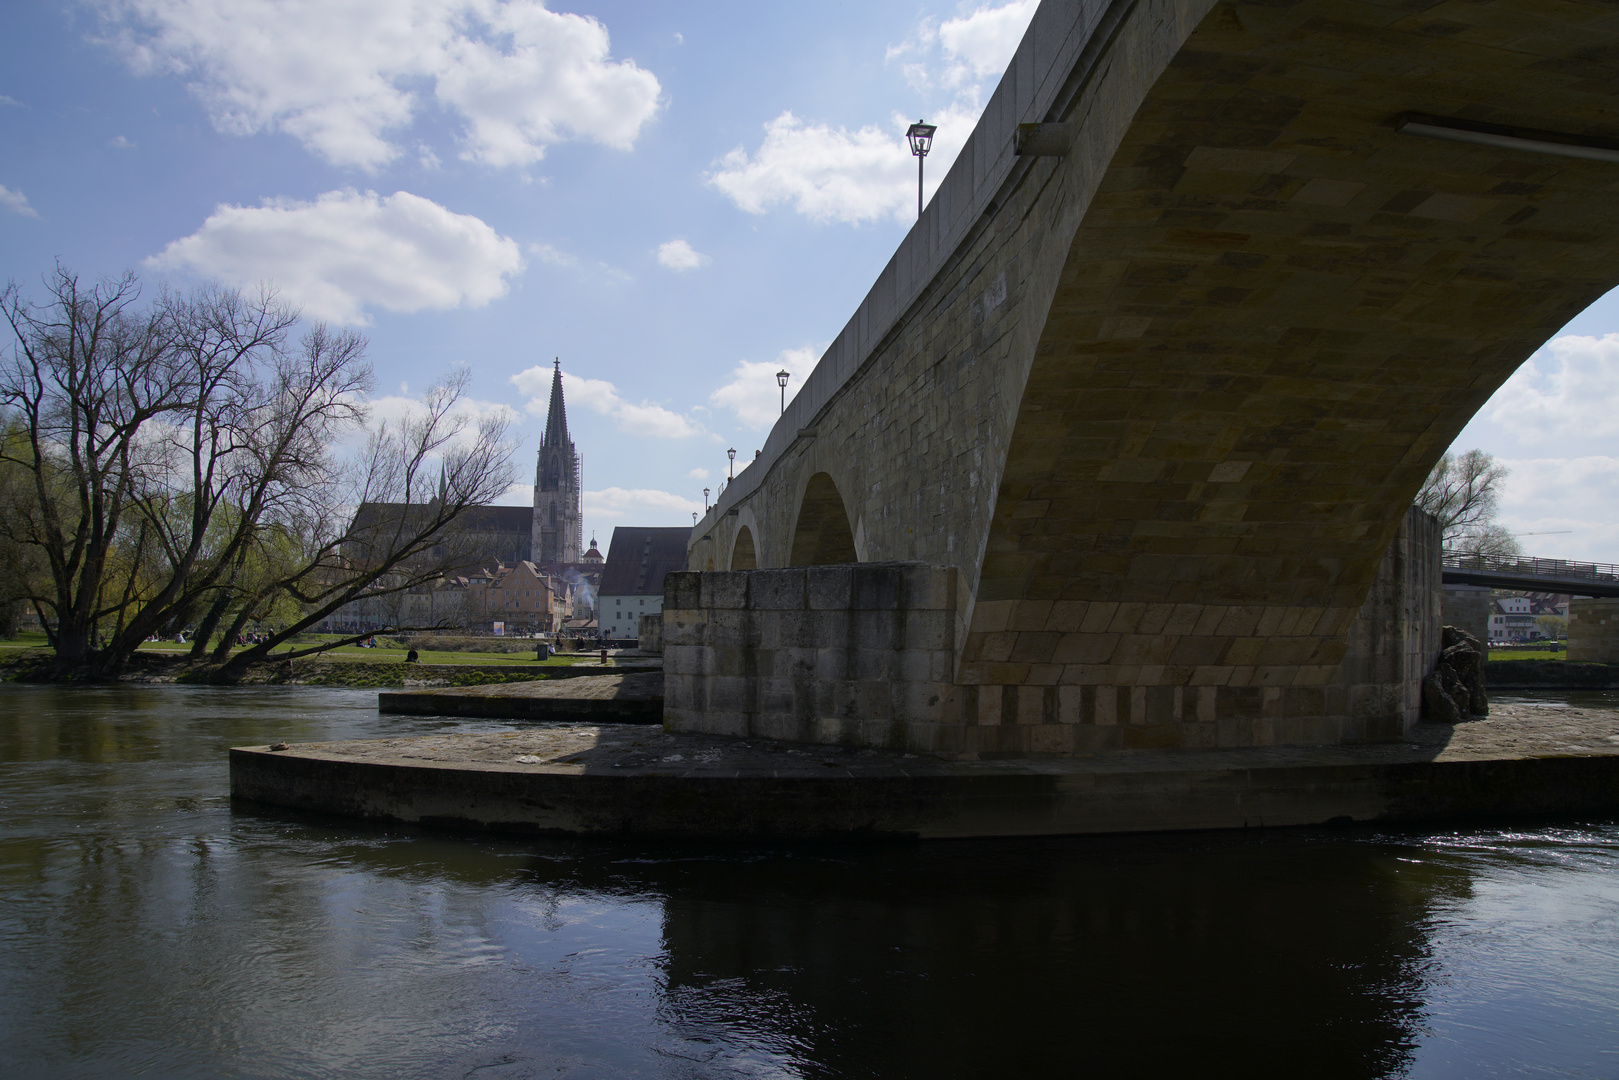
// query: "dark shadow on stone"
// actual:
[[823, 535]]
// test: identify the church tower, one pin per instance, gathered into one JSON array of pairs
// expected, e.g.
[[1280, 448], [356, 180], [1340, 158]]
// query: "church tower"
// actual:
[[558, 477]]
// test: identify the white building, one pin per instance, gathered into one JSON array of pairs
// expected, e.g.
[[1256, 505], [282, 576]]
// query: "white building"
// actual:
[[638, 559]]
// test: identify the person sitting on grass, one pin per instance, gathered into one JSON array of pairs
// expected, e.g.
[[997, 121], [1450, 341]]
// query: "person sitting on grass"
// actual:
[[413, 657]]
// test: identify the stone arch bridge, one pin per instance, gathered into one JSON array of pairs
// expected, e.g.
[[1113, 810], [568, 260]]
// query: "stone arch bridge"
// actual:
[[1141, 401]]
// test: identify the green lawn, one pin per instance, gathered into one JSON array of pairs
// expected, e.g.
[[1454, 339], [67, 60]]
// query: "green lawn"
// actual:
[[1527, 654], [347, 653]]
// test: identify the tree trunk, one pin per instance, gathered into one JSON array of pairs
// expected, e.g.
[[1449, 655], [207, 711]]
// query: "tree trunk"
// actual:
[[205, 629]]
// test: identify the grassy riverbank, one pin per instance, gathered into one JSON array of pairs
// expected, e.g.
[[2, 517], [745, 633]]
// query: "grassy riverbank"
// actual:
[[28, 658]]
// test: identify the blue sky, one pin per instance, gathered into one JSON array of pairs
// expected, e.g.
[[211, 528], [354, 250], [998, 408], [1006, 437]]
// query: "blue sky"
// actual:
[[677, 201]]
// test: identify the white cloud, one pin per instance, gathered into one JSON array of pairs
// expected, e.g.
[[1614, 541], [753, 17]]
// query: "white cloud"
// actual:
[[833, 174], [16, 202], [981, 44], [679, 255], [554, 256], [830, 173], [395, 409], [1571, 504], [122, 143], [8, 100], [645, 506], [347, 251], [340, 75], [698, 474], [517, 495], [1569, 387], [754, 396], [601, 396]]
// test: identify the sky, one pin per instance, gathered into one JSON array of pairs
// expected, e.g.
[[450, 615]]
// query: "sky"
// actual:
[[674, 200]]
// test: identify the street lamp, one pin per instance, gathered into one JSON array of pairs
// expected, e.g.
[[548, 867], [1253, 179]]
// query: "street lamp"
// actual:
[[921, 137], [694, 517], [705, 498], [781, 381], [731, 453]]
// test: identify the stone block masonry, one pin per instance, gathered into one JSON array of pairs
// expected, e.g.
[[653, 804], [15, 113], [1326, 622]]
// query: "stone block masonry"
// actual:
[[865, 655], [1593, 631], [1468, 607], [853, 654]]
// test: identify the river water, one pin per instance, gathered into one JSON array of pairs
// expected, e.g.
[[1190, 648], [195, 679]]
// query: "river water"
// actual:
[[148, 927]]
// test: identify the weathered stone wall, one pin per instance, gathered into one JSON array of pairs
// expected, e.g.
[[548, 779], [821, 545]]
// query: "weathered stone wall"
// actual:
[[858, 654], [1593, 631], [1395, 640], [649, 630], [1467, 607], [863, 654]]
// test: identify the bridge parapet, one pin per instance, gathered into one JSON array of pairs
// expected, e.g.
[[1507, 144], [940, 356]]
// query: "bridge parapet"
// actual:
[[946, 255]]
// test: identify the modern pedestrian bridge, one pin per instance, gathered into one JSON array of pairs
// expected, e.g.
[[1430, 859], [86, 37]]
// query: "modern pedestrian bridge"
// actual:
[[1131, 421], [1534, 575]]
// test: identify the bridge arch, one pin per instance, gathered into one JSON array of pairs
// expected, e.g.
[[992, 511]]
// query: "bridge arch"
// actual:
[[744, 556], [1164, 395], [822, 534], [1271, 318]]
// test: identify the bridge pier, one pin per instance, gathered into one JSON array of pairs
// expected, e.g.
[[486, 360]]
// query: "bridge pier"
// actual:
[[1593, 630], [871, 655]]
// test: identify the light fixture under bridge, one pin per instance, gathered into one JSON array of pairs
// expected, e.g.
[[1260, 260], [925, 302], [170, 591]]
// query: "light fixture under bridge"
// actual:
[[1590, 147]]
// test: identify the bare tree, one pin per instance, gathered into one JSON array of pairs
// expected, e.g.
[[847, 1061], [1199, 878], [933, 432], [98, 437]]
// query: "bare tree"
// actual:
[[395, 525], [1463, 492], [183, 461]]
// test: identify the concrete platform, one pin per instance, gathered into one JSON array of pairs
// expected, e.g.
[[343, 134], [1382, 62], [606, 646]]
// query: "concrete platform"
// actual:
[[1528, 762], [625, 698]]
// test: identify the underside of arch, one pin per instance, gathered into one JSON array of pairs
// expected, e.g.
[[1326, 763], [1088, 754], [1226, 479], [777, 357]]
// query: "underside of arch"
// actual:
[[822, 534], [743, 555], [1276, 313]]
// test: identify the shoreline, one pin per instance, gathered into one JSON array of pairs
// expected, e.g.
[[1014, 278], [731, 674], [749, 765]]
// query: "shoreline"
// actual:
[[359, 674]]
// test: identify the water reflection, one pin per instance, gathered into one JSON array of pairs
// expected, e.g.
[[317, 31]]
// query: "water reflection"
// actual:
[[148, 926]]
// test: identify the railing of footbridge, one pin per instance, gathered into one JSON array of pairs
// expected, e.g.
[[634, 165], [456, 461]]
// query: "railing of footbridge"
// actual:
[[1523, 566]]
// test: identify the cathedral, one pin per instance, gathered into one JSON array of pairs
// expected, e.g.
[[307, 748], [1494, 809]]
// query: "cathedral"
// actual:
[[557, 533]]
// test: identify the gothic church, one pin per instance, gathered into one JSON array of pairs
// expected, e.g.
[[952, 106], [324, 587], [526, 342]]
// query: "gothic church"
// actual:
[[558, 527]]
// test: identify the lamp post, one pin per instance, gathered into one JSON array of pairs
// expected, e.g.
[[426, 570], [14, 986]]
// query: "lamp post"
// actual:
[[781, 380], [705, 498], [731, 453], [694, 517], [921, 139]]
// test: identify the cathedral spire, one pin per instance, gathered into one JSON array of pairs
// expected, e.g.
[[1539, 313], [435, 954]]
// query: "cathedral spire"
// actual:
[[556, 420], [558, 478]]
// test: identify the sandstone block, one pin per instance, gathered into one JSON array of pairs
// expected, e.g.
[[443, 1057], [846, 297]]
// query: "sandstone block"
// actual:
[[722, 590], [929, 629], [778, 590], [682, 589], [830, 588], [930, 588], [876, 588]]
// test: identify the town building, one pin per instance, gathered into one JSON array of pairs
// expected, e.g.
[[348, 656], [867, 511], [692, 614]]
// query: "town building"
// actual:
[[1516, 617], [522, 599], [638, 559]]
